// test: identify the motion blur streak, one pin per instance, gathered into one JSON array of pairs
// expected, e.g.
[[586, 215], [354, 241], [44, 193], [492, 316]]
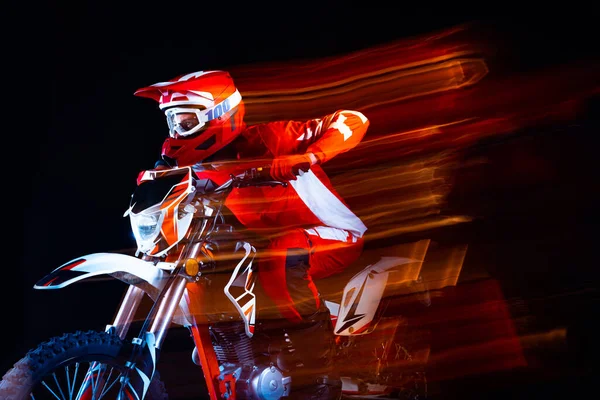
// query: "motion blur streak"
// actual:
[[368, 91], [430, 100], [551, 338], [363, 80], [414, 191], [447, 272]]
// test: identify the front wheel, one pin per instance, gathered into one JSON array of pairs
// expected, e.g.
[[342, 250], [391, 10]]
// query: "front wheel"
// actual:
[[56, 370]]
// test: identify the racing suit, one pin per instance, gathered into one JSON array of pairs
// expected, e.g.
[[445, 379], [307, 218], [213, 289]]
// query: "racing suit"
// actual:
[[312, 232], [315, 226]]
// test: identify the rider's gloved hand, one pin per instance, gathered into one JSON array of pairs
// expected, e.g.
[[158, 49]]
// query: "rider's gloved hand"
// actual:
[[285, 168]]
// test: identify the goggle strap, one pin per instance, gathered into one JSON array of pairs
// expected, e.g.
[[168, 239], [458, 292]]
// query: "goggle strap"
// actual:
[[223, 107]]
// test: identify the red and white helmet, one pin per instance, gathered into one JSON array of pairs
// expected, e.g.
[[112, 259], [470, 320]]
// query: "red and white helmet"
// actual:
[[204, 110]]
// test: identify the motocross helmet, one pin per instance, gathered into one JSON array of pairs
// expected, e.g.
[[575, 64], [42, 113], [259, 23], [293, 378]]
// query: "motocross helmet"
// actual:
[[204, 111]]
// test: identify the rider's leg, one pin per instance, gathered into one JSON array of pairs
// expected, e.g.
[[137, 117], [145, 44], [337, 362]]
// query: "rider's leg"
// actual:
[[286, 276]]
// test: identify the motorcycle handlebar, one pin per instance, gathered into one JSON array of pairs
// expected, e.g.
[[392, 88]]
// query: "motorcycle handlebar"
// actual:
[[265, 171], [261, 176]]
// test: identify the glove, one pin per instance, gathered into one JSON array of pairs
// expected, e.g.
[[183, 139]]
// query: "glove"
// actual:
[[285, 168]]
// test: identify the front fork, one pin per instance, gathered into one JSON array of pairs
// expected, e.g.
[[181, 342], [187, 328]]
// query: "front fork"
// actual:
[[142, 364], [140, 368]]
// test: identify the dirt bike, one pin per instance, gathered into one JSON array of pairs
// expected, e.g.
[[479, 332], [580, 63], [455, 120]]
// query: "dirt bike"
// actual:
[[200, 273]]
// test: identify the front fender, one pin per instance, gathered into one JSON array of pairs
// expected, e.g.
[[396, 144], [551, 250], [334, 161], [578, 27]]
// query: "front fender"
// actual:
[[124, 267], [149, 277]]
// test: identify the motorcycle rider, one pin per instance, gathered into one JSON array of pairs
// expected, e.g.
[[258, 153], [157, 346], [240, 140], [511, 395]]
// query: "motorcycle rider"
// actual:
[[318, 235]]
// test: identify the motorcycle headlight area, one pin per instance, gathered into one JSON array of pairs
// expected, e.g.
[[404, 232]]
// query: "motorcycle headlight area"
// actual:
[[146, 228], [149, 228], [160, 209]]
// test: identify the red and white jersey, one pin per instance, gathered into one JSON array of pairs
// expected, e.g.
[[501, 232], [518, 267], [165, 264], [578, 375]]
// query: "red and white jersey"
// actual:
[[310, 201]]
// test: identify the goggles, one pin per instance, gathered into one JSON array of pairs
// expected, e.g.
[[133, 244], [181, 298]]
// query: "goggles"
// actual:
[[184, 121]]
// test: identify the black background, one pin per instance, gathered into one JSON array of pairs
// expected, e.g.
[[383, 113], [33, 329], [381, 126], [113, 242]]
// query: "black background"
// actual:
[[83, 137]]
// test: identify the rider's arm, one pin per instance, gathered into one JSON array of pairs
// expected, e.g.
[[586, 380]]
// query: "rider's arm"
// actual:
[[298, 144], [311, 142], [334, 134]]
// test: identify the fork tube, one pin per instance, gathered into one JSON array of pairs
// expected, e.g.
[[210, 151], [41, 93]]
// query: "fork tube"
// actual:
[[166, 309], [94, 379], [129, 305]]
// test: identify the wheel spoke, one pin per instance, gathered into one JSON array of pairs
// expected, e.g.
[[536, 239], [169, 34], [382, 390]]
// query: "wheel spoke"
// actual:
[[68, 377], [108, 387], [58, 385], [50, 390], [94, 372], [75, 374]]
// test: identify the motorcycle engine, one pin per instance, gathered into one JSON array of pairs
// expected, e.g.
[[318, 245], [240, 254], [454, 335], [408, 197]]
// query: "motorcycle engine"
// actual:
[[241, 372], [255, 383]]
